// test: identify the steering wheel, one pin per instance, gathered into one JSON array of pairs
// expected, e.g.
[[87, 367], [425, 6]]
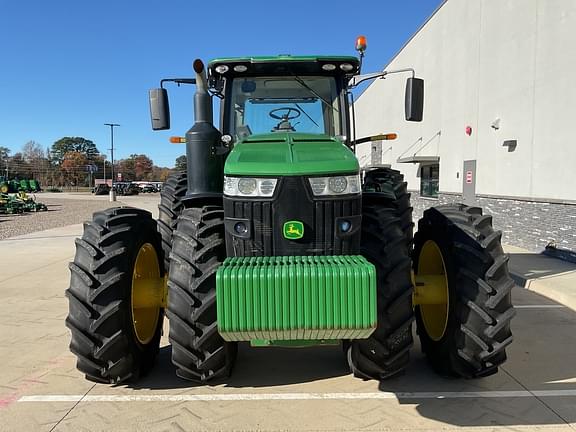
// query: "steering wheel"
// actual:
[[286, 116]]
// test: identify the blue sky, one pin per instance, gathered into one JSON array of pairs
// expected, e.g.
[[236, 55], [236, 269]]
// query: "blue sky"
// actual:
[[67, 67]]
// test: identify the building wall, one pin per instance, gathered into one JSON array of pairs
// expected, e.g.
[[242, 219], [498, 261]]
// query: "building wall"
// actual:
[[508, 63], [528, 224]]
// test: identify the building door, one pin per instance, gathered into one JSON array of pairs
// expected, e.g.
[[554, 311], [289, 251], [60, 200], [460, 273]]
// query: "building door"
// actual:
[[469, 182], [429, 180]]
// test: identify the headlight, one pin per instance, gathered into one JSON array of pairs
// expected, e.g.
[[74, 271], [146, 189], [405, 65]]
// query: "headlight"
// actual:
[[337, 185], [249, 187]]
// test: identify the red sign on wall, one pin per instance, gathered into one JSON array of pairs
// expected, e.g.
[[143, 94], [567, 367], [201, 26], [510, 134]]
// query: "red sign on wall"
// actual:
[[468, 177]]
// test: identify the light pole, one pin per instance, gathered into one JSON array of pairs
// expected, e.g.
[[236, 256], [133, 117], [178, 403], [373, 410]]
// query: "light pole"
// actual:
[[104, 167], [112, 125]]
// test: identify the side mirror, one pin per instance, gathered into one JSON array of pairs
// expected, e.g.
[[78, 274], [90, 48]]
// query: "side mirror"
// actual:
[[159, 109], [414, 99]]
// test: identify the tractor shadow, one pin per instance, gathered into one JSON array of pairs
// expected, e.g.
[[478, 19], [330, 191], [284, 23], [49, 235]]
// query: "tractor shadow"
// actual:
[[256, 367], [162, 376], [541, 358], [272, 366]]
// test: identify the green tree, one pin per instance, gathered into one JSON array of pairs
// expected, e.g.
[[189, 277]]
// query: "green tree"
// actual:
[[126, 168], [73, 144], [180, 163]]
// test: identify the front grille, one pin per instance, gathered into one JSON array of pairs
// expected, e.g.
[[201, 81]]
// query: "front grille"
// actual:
[[325, 214], [293, 201], [260, 214]]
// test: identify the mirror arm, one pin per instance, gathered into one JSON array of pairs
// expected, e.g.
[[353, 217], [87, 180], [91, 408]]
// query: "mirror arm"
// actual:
[[217, 93], [354, 81], [178, 81]]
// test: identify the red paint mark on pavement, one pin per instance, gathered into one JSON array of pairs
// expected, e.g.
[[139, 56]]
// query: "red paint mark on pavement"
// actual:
[[30, 381], [7, 400]]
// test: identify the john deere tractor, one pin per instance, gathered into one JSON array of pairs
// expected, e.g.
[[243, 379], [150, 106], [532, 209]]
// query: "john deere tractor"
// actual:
[[272, 237]]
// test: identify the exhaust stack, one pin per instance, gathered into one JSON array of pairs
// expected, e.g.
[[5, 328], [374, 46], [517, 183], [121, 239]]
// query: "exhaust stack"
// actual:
[[202, 99], [205, 168]]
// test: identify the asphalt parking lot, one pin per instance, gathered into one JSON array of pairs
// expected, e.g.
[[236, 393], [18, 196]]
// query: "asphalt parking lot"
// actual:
[[271, 389]]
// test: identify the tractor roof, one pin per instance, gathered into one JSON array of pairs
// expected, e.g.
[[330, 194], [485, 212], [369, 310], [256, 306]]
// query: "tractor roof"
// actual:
[[282, 58], [284, 63]]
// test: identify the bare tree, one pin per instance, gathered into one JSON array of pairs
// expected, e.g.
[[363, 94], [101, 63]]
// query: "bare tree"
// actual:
[[32, 151]]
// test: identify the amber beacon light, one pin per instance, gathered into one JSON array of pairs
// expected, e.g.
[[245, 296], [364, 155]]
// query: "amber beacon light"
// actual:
[[361, 44]]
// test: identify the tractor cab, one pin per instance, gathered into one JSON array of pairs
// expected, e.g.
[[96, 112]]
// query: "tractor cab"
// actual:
[[263, 95]]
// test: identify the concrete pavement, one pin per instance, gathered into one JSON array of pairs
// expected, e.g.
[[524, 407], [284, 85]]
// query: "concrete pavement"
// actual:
[[271, 389], [544, 275]]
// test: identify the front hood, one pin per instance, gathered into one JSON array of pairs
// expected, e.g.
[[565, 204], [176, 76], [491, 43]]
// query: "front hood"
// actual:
[[290, 154]]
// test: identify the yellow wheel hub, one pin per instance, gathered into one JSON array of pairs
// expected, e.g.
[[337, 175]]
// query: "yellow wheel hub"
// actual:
[[148, 293], [431, 290]]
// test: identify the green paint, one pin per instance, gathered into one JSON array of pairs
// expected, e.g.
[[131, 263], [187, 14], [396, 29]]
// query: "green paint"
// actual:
[[290, 154], [293, 230], [296, 298]]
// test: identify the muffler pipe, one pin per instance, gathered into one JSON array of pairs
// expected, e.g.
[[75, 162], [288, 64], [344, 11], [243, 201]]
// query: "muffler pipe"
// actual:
[[205, 166], [202, 99]]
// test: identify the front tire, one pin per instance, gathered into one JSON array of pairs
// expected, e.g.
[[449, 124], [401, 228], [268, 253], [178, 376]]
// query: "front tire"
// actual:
[[387, 351], [169, 209], [475, 329], [198, 351], [392, 191], [113, 340]]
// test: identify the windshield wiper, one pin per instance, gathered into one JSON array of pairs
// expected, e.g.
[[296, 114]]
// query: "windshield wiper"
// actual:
[[311, 90], [306, 114]]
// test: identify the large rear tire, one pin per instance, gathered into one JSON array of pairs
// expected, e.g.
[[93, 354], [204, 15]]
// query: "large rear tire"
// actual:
[[470, 338], [386, 352], [113, 340], [169, 209], [198, 351]]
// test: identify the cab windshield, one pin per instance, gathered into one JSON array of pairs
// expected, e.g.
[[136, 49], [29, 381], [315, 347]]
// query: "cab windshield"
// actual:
[[307, 104]]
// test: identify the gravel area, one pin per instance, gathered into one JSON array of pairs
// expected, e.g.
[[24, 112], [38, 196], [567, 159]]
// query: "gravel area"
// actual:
[[65, 210]]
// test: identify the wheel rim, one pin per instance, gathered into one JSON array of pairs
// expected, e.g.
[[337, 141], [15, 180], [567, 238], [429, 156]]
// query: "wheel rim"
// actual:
[[145, 307], [434, 316]]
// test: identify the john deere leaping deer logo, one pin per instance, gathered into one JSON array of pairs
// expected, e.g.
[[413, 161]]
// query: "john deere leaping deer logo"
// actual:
[[293, 230]]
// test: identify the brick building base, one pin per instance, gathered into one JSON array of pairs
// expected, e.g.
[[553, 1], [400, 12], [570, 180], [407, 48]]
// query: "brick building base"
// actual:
[[526, 224]]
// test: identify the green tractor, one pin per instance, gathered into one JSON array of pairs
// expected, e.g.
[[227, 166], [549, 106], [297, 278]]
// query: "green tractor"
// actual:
[[272, 237]]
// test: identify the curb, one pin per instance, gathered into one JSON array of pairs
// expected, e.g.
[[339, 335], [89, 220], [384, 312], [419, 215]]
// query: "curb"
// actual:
[[548, 287]]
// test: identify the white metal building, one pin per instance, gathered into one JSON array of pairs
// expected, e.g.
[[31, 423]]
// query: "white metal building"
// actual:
[[499, 115]]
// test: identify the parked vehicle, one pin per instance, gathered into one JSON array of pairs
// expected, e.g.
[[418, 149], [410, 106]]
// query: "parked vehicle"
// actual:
[[126, 188], [148, 188], [101, 189]]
